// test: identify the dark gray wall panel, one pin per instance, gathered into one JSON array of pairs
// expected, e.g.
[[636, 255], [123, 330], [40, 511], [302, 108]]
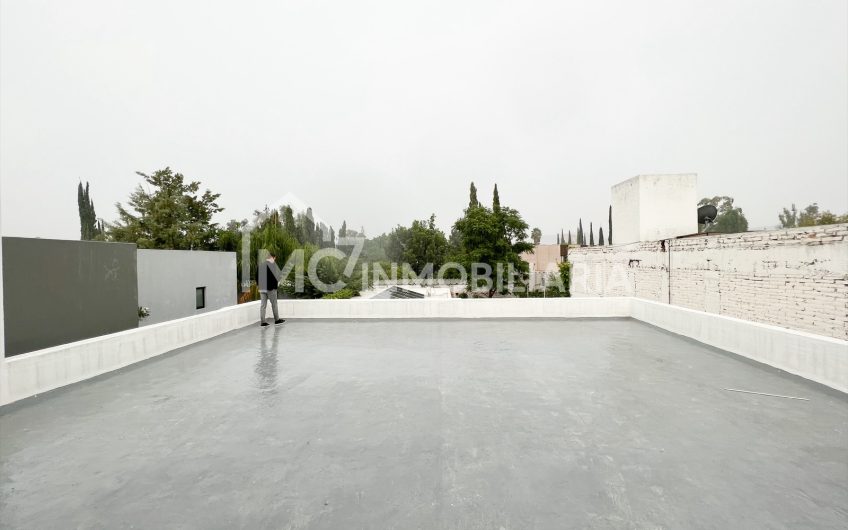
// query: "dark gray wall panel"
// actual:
[[56, 291]]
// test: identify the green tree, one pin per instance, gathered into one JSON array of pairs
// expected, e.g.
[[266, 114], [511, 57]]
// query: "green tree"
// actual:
[[789, 217], [591, 235], [730, 219], [289, 224], [601, 236], [569, 237], [581, 241], [330, 270], [810, 215], [418, 245], [494, 237], [609, 234], [343, 229], [472, 199], [91, 228], [169, 214], [813, 216], [536, 236]]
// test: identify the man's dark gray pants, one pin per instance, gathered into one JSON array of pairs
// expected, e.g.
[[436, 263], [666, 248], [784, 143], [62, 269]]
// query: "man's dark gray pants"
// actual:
[[265, 296]]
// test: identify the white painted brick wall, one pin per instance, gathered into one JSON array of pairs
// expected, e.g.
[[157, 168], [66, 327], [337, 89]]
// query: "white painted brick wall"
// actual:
[[795, 278]]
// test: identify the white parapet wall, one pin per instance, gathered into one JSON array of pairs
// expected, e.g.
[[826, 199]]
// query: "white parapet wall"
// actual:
[[817, 358], [814, 357], [36, 372], [456, 308]]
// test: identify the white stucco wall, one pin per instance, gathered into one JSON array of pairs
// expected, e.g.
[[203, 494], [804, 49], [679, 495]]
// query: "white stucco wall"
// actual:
[[167, 280], [796, 278], [817, 358], [654, 207]]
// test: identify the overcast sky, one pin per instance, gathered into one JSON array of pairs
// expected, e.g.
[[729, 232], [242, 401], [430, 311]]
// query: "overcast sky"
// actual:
[[381, 112]]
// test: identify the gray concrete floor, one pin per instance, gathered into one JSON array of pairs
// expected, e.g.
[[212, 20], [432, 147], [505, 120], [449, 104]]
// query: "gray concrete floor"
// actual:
[[431, 424]]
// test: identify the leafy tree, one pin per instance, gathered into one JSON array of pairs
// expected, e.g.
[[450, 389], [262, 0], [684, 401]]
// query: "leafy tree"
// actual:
[[811, 216], [536, 235], [330, 270], [591, 235], [496, 200], [558, 241], [829, 218], [91, 228], [569, 237], [169, 214], [472, 200], [580, 239], [730, 219], [789, 217], [305, 227], [494, 237], [418, 245], [374, 249], [343, 229], [601, 236], [288, 220]]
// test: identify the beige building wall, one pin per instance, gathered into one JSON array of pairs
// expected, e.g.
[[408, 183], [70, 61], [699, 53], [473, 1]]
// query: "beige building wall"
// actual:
[[543, 260]]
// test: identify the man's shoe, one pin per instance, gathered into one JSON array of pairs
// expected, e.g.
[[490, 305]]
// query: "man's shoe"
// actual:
[[279, 321], [263, 324]]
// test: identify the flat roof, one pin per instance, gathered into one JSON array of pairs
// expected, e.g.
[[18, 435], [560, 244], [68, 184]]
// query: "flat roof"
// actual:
[[431, 424]]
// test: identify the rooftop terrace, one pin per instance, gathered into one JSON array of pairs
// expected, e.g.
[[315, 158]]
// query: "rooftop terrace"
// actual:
[[544, 423]]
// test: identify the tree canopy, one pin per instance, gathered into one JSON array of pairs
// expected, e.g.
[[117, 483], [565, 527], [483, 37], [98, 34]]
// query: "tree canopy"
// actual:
[[168, 213], [418, 245], [730, 218], [809, 216], [492, 236], [91, 227]]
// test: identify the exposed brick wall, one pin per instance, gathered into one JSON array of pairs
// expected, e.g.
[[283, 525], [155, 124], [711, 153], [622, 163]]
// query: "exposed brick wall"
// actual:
[[796, 278]]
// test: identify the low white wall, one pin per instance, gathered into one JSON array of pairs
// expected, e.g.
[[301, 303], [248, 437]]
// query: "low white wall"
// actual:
[[39, 371], [813, 357], [457, 308]]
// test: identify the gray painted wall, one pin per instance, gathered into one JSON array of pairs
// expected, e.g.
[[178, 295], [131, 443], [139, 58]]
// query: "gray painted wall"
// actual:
[[57, 291], [167, 280]]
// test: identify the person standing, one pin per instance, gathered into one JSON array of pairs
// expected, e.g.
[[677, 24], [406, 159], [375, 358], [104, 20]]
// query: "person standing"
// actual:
[[268, 275]]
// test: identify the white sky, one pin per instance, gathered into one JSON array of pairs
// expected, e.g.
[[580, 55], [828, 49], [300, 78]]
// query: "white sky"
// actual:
[[380, 112]]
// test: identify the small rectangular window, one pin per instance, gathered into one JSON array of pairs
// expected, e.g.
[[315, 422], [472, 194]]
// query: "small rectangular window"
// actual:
[[200, 297]]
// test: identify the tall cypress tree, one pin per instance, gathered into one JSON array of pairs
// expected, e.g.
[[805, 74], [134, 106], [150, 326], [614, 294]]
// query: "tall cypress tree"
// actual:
[[496, 201], [591, 235], [343, 229], [472, 199], [609, 234], [569, 237], [558, 239], [580, 240], [601, 236], [90, 226]]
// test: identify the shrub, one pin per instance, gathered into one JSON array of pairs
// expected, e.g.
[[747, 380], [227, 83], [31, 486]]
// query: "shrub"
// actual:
[[342, 294]]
